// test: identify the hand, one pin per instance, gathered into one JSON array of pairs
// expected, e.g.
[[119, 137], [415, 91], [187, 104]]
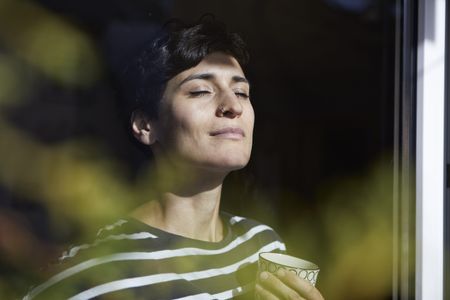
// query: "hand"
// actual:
[[285, 285]]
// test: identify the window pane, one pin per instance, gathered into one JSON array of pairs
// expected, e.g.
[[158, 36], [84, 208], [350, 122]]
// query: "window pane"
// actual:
[[330, 151]]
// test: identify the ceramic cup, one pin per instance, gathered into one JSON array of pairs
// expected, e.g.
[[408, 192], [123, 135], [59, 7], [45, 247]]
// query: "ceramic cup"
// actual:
[[272, 262]]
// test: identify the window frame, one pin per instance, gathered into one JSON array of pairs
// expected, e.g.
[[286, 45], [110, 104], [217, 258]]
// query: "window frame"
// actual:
[[430, 155]]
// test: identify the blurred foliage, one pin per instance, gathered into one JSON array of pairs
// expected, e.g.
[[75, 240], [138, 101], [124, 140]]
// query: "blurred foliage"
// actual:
[[48, 43], [13, 82], [349, 235], [67, 177], [62, 178]]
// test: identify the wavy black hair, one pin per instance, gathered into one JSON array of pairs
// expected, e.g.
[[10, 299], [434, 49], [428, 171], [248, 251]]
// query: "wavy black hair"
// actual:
[[178, 47]]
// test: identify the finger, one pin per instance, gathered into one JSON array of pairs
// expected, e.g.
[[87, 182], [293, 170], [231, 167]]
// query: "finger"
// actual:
[[301, 286], [263, 294], [277, 287]]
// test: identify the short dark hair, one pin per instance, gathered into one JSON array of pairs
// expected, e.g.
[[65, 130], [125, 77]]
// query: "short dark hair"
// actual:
[[177, 47]]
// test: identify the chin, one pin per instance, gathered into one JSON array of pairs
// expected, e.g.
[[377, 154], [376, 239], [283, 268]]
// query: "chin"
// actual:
[[229, 164], [219, 161]]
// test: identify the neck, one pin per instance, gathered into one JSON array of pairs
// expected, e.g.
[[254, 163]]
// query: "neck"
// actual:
[[187, 204]]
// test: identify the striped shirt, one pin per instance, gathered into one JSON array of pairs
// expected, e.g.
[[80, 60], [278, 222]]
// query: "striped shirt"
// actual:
[[131, 260]]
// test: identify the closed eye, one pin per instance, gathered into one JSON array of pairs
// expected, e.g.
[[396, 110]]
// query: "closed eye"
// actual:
[[242, 95], [199, 93]]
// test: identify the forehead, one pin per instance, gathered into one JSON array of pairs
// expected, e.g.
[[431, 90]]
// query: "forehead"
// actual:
[[217, 64]]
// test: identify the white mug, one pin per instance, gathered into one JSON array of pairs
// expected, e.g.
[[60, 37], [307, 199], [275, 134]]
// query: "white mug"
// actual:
[[272, 262]]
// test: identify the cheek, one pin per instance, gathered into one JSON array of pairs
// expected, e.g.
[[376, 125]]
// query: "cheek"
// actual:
[[250, 119], [186, 123]]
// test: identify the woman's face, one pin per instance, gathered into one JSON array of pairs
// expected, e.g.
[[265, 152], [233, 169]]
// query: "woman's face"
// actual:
[[206, 118]]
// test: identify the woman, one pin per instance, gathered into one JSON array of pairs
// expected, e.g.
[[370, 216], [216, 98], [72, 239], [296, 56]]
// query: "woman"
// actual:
[[191, 106]]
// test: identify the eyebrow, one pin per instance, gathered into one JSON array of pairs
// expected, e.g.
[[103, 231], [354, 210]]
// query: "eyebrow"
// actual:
[[210, 76]]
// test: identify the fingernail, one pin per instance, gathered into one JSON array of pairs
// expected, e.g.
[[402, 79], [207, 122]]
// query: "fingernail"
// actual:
[[264, 276], [281, 273]]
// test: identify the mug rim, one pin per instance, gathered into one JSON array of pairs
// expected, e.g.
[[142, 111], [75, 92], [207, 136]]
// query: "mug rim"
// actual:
[[314, 267]]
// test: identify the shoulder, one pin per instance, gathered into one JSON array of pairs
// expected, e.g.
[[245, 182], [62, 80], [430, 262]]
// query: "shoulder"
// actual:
[[114, 237], [247, 228], [78, 267], [244, 223]]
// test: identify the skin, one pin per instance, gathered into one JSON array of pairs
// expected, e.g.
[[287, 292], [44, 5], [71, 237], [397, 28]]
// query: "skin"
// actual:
[[203, 131]]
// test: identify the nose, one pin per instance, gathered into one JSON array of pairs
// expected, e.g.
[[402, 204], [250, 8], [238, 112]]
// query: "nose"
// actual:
[[230, 105]]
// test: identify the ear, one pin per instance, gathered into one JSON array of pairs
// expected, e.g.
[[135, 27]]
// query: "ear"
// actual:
[[143, 128]]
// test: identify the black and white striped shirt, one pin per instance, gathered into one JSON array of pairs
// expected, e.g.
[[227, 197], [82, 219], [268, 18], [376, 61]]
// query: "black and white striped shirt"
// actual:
[[131, 260]]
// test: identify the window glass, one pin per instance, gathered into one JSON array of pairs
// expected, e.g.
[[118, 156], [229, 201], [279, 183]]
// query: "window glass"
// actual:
[[322, 77]]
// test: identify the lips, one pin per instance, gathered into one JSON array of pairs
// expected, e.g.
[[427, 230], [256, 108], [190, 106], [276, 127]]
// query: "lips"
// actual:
[[229, 132]]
